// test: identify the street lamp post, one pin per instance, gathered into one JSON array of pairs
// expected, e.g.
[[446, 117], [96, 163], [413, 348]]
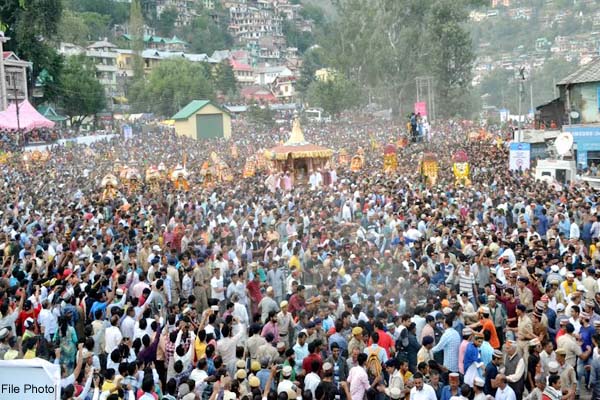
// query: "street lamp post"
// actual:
[[521, 91]]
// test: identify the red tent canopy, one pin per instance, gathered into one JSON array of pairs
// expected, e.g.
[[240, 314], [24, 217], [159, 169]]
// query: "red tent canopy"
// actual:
[[29, 118]]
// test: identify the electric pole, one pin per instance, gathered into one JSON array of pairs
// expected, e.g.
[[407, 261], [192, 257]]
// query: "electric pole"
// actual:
[[16, 95], [3, 95]]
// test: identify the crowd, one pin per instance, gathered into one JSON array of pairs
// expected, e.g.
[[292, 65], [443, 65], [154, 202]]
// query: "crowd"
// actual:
[[363, 285]]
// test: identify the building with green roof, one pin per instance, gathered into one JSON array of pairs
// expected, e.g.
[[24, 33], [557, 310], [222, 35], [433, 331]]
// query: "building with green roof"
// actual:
[[203, 119]]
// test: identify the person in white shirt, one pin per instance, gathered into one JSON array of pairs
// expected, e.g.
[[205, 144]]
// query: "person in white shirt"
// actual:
[[421, 390], [312, 379], [217, 291], [47, 320], [574, 231], [503, 392], [112, 335], [128, 324]]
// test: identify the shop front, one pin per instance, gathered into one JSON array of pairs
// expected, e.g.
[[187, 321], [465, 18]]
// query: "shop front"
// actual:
[[587, 143]]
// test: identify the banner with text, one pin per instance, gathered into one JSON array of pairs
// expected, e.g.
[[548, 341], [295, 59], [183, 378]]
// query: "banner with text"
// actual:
[[33, 379], [519, 157]]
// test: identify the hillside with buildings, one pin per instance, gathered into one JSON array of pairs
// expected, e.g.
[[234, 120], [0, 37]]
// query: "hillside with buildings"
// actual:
[[262, 41], [547, 38]]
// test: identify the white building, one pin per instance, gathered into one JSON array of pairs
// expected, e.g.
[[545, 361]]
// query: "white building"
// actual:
[[104, 55], [267, 75], [15, 71]]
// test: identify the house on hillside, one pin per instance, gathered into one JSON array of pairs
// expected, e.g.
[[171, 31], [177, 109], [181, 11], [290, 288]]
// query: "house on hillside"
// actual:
[[244, 74]]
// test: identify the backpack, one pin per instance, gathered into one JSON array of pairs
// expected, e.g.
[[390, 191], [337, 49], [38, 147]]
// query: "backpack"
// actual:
[[373, 364]]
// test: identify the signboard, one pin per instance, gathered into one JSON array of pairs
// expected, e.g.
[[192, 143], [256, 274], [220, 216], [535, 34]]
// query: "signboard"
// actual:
[[504, 113], [421, 108], [519, 156], [127, 132], [586, 138], [33, 379]]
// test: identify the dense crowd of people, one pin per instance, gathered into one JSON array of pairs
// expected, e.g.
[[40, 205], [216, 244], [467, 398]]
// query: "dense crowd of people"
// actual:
[[359, 285]]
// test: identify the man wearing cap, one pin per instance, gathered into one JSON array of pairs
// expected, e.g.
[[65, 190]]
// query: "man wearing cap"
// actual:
[[479, 394], [285, 323], [486, 324], [515, 367], [524, 331], [452, 389], [569, 286], [472, 360], [466, 339], [491, 371], [569, 344], [285, 384], [586, 332], [357, 340], [568, 380]]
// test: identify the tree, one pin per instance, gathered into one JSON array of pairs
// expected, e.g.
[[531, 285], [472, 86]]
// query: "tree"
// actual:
[[313, 13], [81, 27], [312, 61], [334, 95], [80, 93], [117, 12], [32, 25], [224, 78], [500, 87], [205, 35], [136, 26], [261, 114], [72, 28], [450, 56], [383, 45], [166, 22], [294, 37], [170, 86]]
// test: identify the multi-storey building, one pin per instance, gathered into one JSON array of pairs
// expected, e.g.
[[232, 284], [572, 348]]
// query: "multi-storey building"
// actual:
[[249, 24], [186, 9], [104, 56]]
